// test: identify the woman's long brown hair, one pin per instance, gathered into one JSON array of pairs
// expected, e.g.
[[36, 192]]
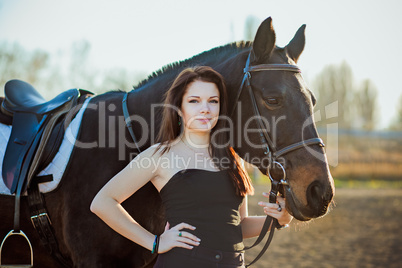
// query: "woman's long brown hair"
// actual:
[[170, 128]]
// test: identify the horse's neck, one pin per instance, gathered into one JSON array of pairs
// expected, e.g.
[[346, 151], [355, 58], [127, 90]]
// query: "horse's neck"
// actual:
[[155, 88]]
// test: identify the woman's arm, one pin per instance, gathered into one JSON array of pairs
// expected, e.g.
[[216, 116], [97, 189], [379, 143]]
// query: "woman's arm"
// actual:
[[107, 206], [252, 225], [107, 203]]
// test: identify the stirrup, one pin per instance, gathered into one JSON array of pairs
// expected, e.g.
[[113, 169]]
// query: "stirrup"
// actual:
[[21, 233]]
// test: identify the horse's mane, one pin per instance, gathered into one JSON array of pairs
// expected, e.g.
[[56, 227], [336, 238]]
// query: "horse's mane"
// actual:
[[217, 54]]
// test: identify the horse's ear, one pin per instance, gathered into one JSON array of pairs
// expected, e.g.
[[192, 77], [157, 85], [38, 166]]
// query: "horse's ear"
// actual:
[[296, 45], [264, 41]]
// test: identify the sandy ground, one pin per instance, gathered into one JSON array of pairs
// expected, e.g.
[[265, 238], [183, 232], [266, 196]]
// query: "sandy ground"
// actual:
[[364, 229]]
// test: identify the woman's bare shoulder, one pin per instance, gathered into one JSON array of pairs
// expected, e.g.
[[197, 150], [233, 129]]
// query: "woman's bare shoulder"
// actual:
[[164, 149], [153, 151]]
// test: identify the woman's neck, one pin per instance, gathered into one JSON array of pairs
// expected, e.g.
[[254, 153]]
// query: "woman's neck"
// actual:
[[198, 140]]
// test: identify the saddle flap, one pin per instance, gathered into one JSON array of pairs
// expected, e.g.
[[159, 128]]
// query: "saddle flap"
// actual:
[[25, 128], [31, 137]]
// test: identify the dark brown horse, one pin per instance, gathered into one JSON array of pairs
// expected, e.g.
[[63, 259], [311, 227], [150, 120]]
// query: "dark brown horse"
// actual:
[[105, 147]]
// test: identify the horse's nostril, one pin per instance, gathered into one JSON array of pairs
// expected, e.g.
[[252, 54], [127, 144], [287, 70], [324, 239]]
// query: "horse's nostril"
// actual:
[[315, 192], [315, 198], [319, 198]]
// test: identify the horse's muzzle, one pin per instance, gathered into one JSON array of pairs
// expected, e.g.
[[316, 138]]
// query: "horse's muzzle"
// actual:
[[319, 197]]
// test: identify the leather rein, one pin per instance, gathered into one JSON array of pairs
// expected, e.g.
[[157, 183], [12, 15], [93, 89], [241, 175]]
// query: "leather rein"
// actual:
[[270, 149]]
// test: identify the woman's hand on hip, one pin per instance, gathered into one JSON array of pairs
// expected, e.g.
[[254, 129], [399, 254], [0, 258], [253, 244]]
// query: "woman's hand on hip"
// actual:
[[175, 237]]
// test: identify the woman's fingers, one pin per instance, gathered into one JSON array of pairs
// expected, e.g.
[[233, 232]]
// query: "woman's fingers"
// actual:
[[183, 245], [189, 241], [280, 202], [183, 225], [273, 206], [186, 236], [272, 212], [277, 210], [189, 236], [167, 226], [175, 237]]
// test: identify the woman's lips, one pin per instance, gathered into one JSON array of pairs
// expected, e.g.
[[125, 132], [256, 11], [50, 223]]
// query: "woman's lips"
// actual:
[[204, 120]]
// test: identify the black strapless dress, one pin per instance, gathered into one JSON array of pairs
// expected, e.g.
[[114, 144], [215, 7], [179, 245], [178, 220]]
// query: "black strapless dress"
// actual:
[[208, 201]]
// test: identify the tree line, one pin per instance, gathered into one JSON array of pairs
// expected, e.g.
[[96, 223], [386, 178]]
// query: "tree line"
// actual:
[[357, 100], [357, 106], [52, 74]]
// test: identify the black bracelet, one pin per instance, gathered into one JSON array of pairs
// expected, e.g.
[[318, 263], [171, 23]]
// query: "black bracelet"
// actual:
[[158, 237], [154, 245]]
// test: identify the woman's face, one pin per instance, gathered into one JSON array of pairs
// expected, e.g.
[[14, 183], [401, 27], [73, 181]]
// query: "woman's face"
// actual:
[[200, 106]]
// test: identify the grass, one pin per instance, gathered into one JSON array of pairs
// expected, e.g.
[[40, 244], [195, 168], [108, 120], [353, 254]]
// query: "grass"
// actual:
[[368, 184]]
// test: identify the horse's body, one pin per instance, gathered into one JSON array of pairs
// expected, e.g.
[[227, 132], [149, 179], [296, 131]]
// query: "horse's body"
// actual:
[[87, 241]]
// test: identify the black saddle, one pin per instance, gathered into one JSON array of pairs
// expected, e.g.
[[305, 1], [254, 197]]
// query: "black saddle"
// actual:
[[22, 97], [37, 125]]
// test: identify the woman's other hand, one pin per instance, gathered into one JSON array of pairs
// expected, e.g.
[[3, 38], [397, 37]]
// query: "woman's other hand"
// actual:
[[277, 210]]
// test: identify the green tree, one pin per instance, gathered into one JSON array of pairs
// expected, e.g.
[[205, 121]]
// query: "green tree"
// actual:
[[17, 63], [250, 27], [397, 123], [366, 105], [80, 73]]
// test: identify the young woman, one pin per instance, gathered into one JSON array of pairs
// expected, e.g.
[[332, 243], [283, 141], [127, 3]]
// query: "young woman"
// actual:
[[201, 181]]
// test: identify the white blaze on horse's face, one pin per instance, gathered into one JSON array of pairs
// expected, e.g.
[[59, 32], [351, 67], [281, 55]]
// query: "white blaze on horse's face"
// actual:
[[200, 106]]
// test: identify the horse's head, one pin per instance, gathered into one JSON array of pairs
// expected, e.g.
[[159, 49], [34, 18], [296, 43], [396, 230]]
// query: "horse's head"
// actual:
[[285, 105]]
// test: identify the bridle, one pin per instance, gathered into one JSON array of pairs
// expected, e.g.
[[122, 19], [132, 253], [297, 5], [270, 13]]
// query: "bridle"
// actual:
[[270, 149]]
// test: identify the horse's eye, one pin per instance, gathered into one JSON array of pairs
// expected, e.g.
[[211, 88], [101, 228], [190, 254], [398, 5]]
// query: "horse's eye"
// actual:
[[272, 101]]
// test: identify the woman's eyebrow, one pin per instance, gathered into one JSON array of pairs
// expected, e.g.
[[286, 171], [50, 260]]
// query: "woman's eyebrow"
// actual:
[[199, 97]]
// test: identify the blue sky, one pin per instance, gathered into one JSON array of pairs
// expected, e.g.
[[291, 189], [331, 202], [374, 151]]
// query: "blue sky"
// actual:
[[146, 35]]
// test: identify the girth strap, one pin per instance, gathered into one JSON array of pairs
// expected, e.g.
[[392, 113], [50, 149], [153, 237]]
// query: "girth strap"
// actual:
[[41, 221], [22, 173]]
